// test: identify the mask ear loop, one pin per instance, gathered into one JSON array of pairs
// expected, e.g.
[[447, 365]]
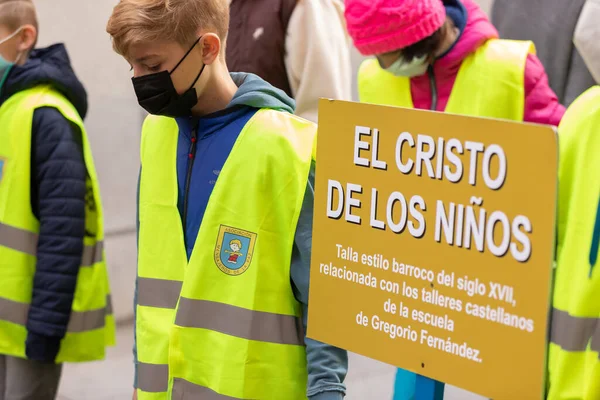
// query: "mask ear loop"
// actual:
[[185, 56], [12, 35], [197, 77], [18, 58]]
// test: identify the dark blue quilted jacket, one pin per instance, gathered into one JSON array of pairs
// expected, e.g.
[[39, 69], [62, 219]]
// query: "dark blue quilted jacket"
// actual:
[[58, 176]]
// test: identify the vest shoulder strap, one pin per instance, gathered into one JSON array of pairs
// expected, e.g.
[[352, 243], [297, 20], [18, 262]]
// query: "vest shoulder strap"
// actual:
[[499, 52], [156, 132], [299, 133], [499, 60], [585, 109], [46, 96], [491, 81]]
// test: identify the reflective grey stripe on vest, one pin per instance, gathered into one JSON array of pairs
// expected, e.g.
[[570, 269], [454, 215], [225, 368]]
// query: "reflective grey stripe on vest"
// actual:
[[596, 340], [26, 242], [160, 293], [152, 378], [240, 322], [109, 306], [184, 389], [574, 333], [80, 321], [92, 254]]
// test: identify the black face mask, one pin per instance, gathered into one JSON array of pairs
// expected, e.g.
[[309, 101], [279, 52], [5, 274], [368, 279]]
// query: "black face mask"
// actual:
[[157, 95]]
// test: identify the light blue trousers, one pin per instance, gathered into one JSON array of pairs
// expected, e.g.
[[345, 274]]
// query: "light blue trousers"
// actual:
[[404, 386]]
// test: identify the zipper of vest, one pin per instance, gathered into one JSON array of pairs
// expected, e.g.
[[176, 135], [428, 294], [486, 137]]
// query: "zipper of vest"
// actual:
[[188, 177], [433, 88]]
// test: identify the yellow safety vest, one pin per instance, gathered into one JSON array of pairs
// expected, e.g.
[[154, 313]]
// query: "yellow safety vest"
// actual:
[[490, 83], [574, 360], [91, 327], [226, 324]]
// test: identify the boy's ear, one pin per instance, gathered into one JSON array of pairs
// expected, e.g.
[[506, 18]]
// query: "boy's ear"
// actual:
[[27, 39], [211, 47]]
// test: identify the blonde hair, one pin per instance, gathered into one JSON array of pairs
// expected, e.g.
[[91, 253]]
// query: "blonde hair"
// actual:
[[236, 241], [16, 13], [135, 21]]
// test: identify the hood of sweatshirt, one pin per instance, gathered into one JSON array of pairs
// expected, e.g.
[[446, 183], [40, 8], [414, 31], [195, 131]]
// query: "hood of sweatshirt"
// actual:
[[48, 66], [257, 93], [253, 92]]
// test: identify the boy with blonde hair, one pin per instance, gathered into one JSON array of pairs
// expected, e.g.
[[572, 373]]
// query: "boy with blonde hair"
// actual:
[[207, 327], [50, 216]]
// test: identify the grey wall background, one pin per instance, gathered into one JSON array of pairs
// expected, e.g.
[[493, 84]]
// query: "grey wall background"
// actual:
[[486, 5], [113, 124]]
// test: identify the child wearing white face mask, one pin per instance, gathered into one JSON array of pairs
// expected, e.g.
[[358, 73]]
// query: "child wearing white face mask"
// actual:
[[6, 65], [50, 216], [445, 55], [420, 47], [574, 358]]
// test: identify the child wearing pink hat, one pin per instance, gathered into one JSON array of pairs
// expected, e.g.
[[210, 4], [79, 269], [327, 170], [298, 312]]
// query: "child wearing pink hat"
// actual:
[[421, 45], [427, 50]]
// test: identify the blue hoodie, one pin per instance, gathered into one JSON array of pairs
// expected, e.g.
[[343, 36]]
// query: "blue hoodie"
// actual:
[[216, 135]]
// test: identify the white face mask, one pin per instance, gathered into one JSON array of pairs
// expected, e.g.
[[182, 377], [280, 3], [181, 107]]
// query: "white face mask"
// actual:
[[6, 39], [417, 67], [587, 37]]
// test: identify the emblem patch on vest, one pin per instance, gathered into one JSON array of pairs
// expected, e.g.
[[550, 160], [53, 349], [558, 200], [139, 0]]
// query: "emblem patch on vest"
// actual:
[[234, 250], [2, 163]]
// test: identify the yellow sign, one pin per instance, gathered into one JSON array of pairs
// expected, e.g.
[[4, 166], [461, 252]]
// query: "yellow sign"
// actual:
[[433, 244]]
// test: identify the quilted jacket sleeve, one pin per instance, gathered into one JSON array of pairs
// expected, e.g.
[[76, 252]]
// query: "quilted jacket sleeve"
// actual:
[[58, 188]]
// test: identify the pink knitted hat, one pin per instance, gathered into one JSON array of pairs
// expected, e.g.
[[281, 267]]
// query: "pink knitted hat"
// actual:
[[381, 26]]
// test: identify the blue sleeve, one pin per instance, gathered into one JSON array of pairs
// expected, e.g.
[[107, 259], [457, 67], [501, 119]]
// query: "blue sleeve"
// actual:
[[58, 188], [327, 365], [135, 292]]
